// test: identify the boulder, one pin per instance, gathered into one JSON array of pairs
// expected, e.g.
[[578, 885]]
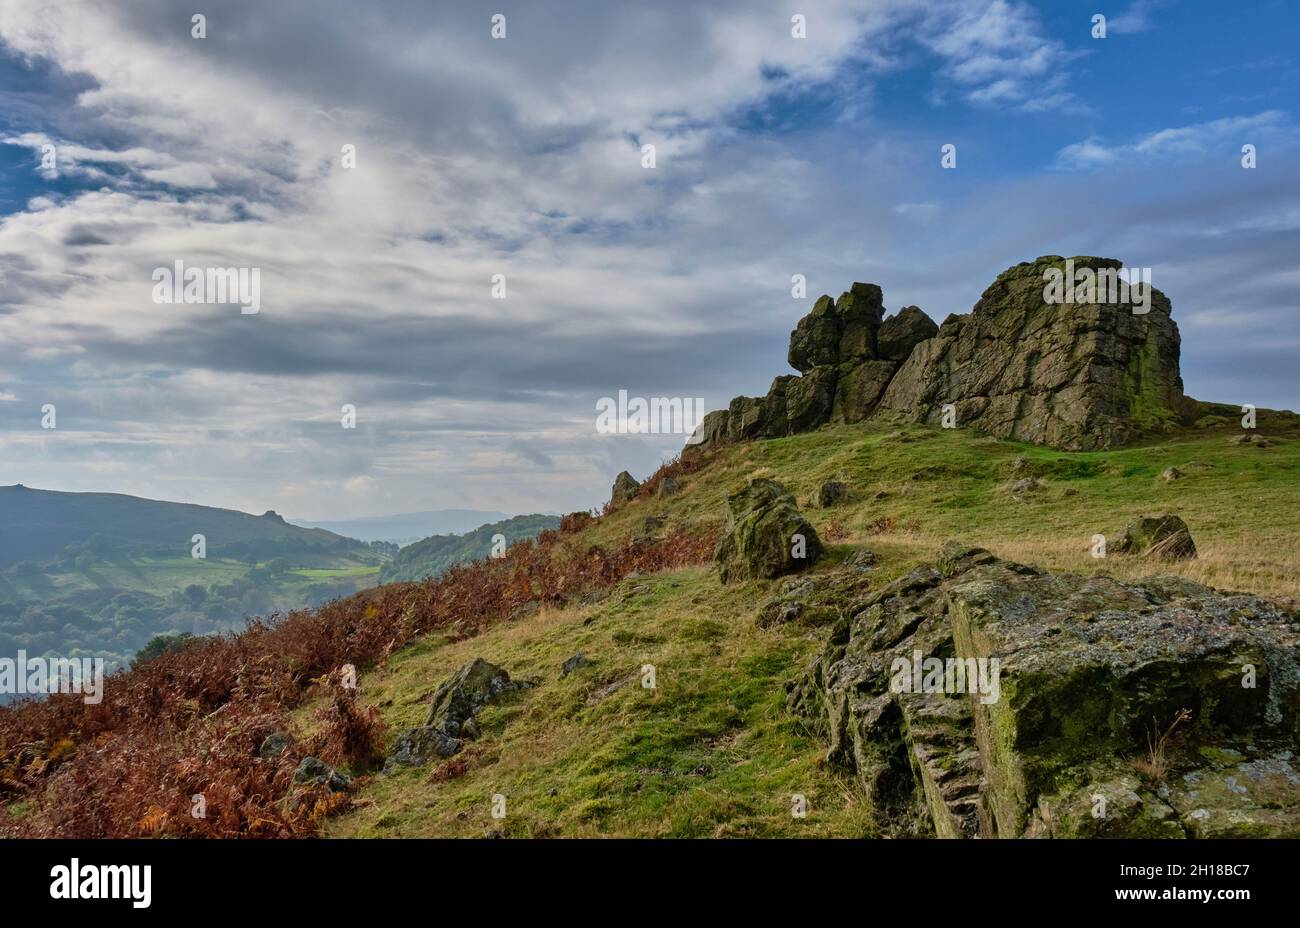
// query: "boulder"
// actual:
[[831, 493], [625, 489], [668, 486], [1163, 536], [947, 742], [452, 712], [762, 537], [313, 771], [902, 332], [808, 400], [573, 663], [859, 388], [1075, 376], [415, 747], [474, 686], [274, 745]]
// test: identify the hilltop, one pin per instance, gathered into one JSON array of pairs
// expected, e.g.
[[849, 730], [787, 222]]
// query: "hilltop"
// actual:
[[39, 524]]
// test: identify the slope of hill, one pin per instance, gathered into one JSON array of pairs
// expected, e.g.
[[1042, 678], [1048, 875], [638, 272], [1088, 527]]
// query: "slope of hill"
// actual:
[[432, 556], [712, 748], [102, 573], [39, 524], [408, 527]]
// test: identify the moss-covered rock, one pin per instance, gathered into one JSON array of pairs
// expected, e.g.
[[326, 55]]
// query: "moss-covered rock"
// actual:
[[1037, 697], [766, 534], [1074, 375], [1163, 536]]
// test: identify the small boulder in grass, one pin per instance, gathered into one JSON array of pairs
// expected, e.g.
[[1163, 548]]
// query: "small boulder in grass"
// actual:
[[668, 487], [831, 493], [315, 772], [1164, 536], [573, 663]]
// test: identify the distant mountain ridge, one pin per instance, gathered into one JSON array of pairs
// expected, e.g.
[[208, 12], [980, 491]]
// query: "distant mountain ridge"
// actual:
[[410, 526], [434, 555], [36, 525]]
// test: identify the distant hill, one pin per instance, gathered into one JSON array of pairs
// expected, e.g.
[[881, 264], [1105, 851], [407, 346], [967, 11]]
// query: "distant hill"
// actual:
[[408, 527], [36, 525], [432, 556]]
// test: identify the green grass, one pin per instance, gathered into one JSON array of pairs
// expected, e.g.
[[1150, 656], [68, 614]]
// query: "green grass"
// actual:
[[713, 751], [710, 751]]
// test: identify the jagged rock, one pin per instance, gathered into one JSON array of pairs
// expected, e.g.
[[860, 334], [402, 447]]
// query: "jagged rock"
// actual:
[[831, 493], [760, 539], [1069, 375], [902, 332], [1025, 746], [273, 745], [625, 488], [1163, 536], [474, 686], [808, 401], [837, 330], [668, 486], [1170, 474], [452, 712], [859, 389], [313, 771], [573, 663], [415, 747], [813, 601]]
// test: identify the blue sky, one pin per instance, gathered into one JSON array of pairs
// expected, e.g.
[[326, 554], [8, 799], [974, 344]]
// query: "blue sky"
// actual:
[[521, 157]]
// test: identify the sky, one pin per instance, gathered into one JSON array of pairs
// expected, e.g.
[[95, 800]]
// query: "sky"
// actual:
[[522, 156]]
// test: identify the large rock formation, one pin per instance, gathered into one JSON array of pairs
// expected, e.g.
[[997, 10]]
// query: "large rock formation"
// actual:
[[1074, 375], [1085, 374], [983, 698], [846, 354]]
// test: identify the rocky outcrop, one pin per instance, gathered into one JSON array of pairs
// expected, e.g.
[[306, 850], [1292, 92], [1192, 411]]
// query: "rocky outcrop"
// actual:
[[1088, 373], [624, 490], [977, 697], [766, 534], [845, 352], [1075, 376], [452, 714]]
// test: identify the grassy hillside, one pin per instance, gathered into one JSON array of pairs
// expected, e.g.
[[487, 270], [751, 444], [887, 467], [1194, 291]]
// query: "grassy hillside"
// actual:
[[432, 556], [712, 751]]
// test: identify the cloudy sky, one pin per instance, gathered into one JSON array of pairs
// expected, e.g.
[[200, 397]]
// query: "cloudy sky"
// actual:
[[522, 156]]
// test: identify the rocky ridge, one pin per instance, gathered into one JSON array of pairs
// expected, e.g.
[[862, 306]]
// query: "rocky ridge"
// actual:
[[1074, 376]]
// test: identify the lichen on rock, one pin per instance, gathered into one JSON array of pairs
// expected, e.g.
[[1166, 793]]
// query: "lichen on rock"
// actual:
[[1087, 667]]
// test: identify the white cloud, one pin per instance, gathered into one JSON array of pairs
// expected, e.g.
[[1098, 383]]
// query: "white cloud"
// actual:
[[1227, 134]]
